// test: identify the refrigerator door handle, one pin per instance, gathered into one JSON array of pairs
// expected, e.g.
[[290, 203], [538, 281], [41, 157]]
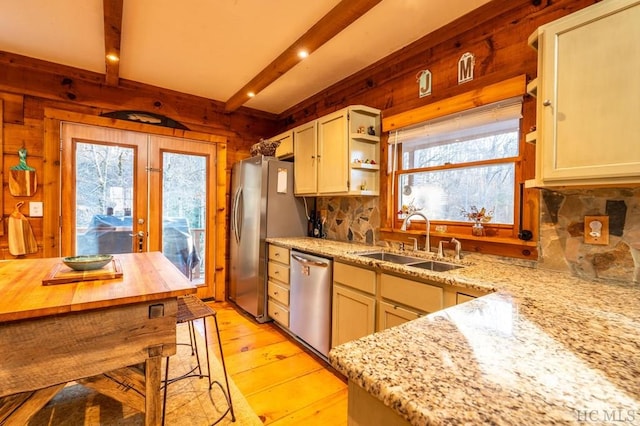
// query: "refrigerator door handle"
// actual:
[[309, 261], [236, 224]]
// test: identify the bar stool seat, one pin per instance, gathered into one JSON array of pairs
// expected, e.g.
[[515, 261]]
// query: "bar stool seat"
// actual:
[[191, 308]]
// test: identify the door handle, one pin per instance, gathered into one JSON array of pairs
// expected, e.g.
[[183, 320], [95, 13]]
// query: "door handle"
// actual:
[[236, 205], [309, 261], [140, 236]]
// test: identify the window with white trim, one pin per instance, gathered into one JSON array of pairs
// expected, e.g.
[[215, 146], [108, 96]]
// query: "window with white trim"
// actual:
[[459, 162]]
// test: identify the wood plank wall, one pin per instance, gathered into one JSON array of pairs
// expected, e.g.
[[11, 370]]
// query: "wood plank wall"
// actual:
[[496, 33], [28, 86]]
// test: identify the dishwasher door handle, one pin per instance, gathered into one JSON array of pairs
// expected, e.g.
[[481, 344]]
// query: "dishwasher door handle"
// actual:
[[309, 262]]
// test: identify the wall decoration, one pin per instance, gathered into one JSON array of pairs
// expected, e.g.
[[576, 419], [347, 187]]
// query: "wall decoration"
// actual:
[[145, 117], [466, 67], [23, 181], [424, 83]]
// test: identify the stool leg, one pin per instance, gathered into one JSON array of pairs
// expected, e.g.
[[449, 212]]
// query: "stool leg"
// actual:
[[195, 345], [192, 337], [224, 368], [166, 385], [206, 345]]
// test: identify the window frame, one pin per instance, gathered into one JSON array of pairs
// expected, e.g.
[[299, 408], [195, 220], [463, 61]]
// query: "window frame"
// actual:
[[515, 160], [505, 241]]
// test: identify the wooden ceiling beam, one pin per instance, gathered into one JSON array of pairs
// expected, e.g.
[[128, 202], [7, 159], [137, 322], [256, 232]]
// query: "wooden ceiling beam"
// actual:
[[112, 10], [337, 19]]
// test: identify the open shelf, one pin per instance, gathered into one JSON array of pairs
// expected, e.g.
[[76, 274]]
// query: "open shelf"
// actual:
[[531, 137], [532, 88], [365, 166], [363, 137]]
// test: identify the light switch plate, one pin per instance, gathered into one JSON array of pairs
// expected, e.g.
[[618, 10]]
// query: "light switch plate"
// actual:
[[35, 208], [596, 230]]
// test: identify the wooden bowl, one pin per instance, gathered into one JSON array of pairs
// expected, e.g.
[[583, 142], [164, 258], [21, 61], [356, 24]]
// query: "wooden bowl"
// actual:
[[87, 263]]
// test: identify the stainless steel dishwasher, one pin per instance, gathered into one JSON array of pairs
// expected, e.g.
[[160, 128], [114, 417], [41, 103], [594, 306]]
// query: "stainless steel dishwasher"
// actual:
[[310, 300]]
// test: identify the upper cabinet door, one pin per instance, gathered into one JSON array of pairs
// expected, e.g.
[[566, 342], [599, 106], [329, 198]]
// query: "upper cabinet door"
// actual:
[[305, 169], [588, 103], [339, 153], [285, 149], [333, 153]]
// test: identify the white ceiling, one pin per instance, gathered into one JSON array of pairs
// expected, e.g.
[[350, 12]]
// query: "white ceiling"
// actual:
[[212, 48]]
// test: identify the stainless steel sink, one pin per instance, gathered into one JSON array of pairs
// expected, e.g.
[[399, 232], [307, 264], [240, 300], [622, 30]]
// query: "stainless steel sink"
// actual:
[[435, 266], [415, 262], [391, 257]]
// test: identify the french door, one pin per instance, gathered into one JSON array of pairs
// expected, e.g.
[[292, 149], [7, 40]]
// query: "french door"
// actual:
[[125, 191]]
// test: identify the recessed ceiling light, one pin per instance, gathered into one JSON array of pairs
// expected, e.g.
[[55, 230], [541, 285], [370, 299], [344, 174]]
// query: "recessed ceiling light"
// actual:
[[251, 94], [303, 54], [113, 57]]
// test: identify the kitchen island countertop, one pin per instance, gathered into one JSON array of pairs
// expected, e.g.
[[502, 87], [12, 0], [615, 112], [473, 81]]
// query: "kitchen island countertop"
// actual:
[[543, 348]]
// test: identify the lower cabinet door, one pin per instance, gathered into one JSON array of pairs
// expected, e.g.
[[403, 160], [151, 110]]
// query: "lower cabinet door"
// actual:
[[354, 315], [278, 313], [391, 315]]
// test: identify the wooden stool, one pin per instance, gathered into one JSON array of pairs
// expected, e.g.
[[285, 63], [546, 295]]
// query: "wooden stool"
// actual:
[[190, 308]]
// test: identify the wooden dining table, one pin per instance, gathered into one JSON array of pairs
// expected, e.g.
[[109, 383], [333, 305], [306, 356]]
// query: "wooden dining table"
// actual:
[[109, 334]]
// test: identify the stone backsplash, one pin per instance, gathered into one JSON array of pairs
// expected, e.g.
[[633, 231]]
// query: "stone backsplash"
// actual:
[[562, 245], [353, 219]]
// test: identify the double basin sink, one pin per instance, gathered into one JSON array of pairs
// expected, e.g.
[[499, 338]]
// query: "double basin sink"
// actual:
[[414, 262]]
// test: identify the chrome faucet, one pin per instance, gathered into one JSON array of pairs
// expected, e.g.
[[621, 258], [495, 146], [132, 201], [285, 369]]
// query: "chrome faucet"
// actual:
[[458, 247], [406, 222]]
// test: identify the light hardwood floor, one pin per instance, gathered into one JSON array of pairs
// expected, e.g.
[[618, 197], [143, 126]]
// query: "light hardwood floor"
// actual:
[[284, 383]]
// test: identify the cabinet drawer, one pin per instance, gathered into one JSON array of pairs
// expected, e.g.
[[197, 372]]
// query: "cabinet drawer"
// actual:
[[278, 292], [426, 297], [390, 315], [355, 277], [279, 254], [278, 272], [278, 313], [462, 298]]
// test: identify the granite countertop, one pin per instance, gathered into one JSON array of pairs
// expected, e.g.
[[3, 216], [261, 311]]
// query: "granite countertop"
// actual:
[[543, 348]]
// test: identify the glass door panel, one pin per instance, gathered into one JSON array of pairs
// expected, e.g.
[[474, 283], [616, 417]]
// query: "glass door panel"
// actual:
[[182, 207], [184, 210], [133, 192], [104, 198], [103, 190]]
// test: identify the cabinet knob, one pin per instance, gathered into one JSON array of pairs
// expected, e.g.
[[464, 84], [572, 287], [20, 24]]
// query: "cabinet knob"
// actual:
[[546, 102]]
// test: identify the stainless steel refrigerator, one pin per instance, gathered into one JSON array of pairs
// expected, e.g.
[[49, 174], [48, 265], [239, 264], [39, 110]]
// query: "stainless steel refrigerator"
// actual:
[[262, 206]]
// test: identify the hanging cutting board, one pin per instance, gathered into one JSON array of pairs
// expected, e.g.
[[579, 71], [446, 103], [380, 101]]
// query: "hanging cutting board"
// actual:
[[22, 183], [22, 177], [21, 239]]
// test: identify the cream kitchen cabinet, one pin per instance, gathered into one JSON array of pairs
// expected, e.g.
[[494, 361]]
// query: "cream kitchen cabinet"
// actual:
[[305, 165], [278, 284], [337, 155], [285, 149], [354, 302], [390, 315], [456, 295], [405, 300], [369, 300], [587, 94]]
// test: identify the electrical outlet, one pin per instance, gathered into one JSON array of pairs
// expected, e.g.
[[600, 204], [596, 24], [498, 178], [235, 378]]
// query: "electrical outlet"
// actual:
[[596, 230], [35, 208]]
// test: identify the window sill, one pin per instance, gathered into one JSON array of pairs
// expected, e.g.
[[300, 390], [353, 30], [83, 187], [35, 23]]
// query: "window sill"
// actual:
[[501, 246]]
